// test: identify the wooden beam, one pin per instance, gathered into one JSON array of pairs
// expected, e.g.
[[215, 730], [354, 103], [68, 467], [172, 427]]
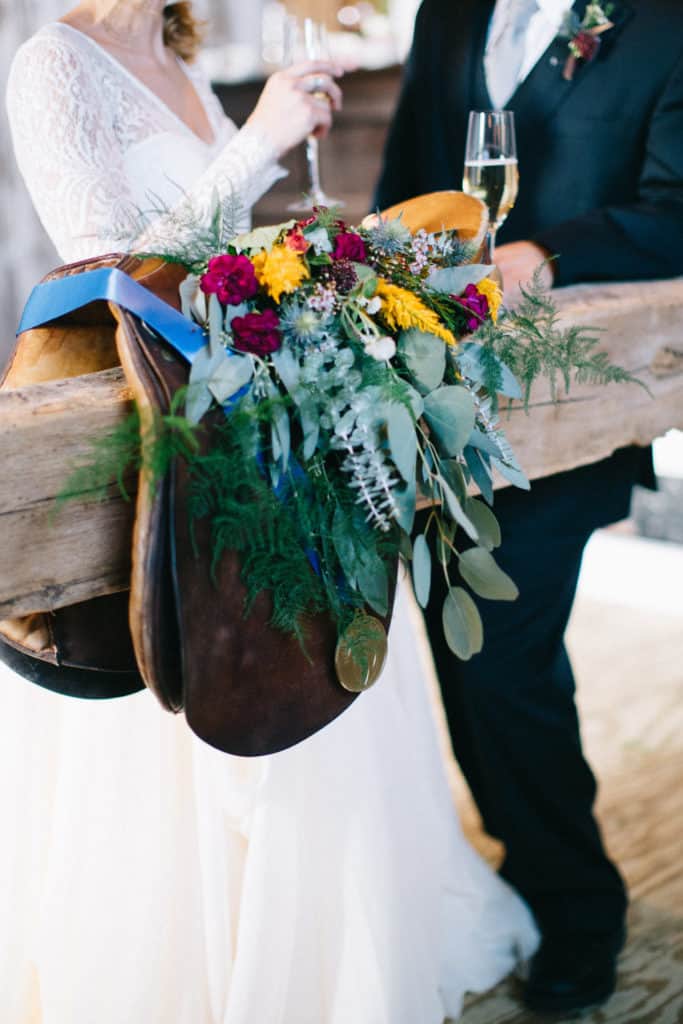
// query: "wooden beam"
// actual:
[[48, 561]]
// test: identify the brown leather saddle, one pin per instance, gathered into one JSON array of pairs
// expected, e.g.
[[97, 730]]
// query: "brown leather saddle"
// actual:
[[244, 687]]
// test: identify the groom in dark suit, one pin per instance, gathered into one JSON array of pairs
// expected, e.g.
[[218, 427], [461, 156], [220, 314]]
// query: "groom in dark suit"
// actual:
[[601, 175]]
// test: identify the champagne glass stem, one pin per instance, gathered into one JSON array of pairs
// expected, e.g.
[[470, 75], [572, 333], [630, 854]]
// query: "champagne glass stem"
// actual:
[[490, 244], [313, 160]]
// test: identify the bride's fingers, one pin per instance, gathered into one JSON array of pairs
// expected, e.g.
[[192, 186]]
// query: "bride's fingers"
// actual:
[[321, 83]]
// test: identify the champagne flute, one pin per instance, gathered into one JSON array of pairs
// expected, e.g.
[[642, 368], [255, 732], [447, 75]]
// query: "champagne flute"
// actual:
[[308, 39], [491, 172]]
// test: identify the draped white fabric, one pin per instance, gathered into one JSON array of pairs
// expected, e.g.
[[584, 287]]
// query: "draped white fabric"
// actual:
[[147, 878]]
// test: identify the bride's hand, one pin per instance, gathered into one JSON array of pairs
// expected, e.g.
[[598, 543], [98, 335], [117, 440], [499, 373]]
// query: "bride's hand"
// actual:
[[287, 110]]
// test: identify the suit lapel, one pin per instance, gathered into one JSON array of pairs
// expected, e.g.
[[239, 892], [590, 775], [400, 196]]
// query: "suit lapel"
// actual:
[[544, 89]]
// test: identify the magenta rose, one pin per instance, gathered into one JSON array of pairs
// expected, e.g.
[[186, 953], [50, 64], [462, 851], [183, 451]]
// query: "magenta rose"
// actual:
[[231, 278], [349, 246], [475, 303], [257, 333]]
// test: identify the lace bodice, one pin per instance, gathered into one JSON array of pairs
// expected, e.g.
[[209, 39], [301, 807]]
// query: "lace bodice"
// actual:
[[101, 154]]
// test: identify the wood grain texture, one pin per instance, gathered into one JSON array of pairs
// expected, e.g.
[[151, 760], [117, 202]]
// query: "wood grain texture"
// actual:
[[47, 562], [50, 559]]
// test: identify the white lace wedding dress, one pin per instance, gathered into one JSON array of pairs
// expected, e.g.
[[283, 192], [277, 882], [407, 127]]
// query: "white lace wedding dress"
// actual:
[[145, 877]]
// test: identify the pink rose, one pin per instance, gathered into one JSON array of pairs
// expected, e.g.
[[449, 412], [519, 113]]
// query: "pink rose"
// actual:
[[231, 278], [257, 333], [349, 246]]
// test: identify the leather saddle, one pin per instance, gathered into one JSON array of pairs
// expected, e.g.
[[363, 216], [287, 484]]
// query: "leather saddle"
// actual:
[[244, 687]]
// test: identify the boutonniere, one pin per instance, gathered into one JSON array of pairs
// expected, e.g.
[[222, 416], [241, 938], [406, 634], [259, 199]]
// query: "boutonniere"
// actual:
[[585, 36]]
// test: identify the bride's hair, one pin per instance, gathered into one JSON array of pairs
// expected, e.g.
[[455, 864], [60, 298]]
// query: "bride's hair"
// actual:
[[182, 31]]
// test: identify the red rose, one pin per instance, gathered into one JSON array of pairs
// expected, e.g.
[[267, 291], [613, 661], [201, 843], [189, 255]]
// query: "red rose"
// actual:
[[297, 241], [349, 246], [231, 278], [257, 333]]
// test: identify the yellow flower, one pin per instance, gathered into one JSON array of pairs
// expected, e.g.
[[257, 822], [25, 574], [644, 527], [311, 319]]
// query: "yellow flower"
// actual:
[[402, 310], [493, 294], [279, 271]]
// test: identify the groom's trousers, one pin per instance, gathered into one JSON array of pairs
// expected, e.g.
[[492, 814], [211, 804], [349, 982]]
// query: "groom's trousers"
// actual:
[[511, 709]]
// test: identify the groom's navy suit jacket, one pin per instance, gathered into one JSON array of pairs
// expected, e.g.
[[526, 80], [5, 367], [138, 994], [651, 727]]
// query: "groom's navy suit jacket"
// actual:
[[601, 184], [600, 157]]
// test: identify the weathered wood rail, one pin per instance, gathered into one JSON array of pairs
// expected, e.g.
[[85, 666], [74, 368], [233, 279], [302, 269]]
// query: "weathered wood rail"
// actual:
[[49, 558]]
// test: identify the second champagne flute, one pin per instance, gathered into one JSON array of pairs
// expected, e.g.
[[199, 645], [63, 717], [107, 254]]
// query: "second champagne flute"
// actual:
[[308, 39], [491, 172]]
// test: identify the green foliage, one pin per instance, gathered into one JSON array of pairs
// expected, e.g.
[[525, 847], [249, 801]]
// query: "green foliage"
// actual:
[[531, 342]]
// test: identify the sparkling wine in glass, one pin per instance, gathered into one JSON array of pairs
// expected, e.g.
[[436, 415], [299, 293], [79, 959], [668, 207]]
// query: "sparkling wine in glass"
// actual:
[[306, 39], [491, 172]]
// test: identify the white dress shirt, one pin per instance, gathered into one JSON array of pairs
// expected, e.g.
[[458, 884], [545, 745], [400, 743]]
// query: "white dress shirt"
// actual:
[[507, 66]]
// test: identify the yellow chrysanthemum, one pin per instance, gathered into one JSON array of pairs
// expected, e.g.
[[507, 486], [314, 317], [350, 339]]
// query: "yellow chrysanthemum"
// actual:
[[402, 310], [493, 295], [279, 271]]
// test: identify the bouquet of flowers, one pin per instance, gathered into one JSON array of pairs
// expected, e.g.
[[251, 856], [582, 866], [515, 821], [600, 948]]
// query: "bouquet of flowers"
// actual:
[[348, 376]]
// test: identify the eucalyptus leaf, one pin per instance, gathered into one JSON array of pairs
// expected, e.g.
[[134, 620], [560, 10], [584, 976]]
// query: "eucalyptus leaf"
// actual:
[[186, 291], [373, 581], [422, 570], [310, 425], [281, 430], [482, 573], [402, 440], [453, 474], [289, 371], [454, 280], [512, 474], [462, 625], [199, 398], [416, 400], [319, 239], [450, 413], [486, 523], [456, 511], [425, 357], [485, 443], [365, 274], [261, 238], [405, 506], [230, 375], [480, 472]]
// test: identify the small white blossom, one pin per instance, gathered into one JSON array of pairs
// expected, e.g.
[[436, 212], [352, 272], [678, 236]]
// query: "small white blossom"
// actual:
[[381, 348], [372, 306]]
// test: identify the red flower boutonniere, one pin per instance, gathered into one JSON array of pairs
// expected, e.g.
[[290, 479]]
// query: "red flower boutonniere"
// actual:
[[585, 36]]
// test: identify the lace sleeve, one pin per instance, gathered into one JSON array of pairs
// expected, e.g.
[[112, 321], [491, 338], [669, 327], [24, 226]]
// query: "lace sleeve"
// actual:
[[71, 158]]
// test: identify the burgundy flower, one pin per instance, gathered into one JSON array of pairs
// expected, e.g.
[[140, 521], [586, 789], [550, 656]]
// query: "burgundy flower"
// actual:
[[257, 333], [585, 45], [475, 303], [349, 246], [231, 278]]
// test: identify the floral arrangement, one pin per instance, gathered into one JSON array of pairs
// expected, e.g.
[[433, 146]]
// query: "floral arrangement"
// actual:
[[347, 374], [585, 36]]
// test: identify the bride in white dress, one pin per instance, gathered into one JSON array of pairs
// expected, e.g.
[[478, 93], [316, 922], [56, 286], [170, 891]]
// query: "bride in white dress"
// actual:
[[147, 878]]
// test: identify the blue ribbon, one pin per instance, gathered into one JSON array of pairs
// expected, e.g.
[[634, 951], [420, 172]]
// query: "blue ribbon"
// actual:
[[53, 299]]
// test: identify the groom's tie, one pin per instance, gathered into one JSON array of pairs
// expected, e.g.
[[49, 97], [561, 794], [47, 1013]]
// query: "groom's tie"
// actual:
[[505, 49]]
